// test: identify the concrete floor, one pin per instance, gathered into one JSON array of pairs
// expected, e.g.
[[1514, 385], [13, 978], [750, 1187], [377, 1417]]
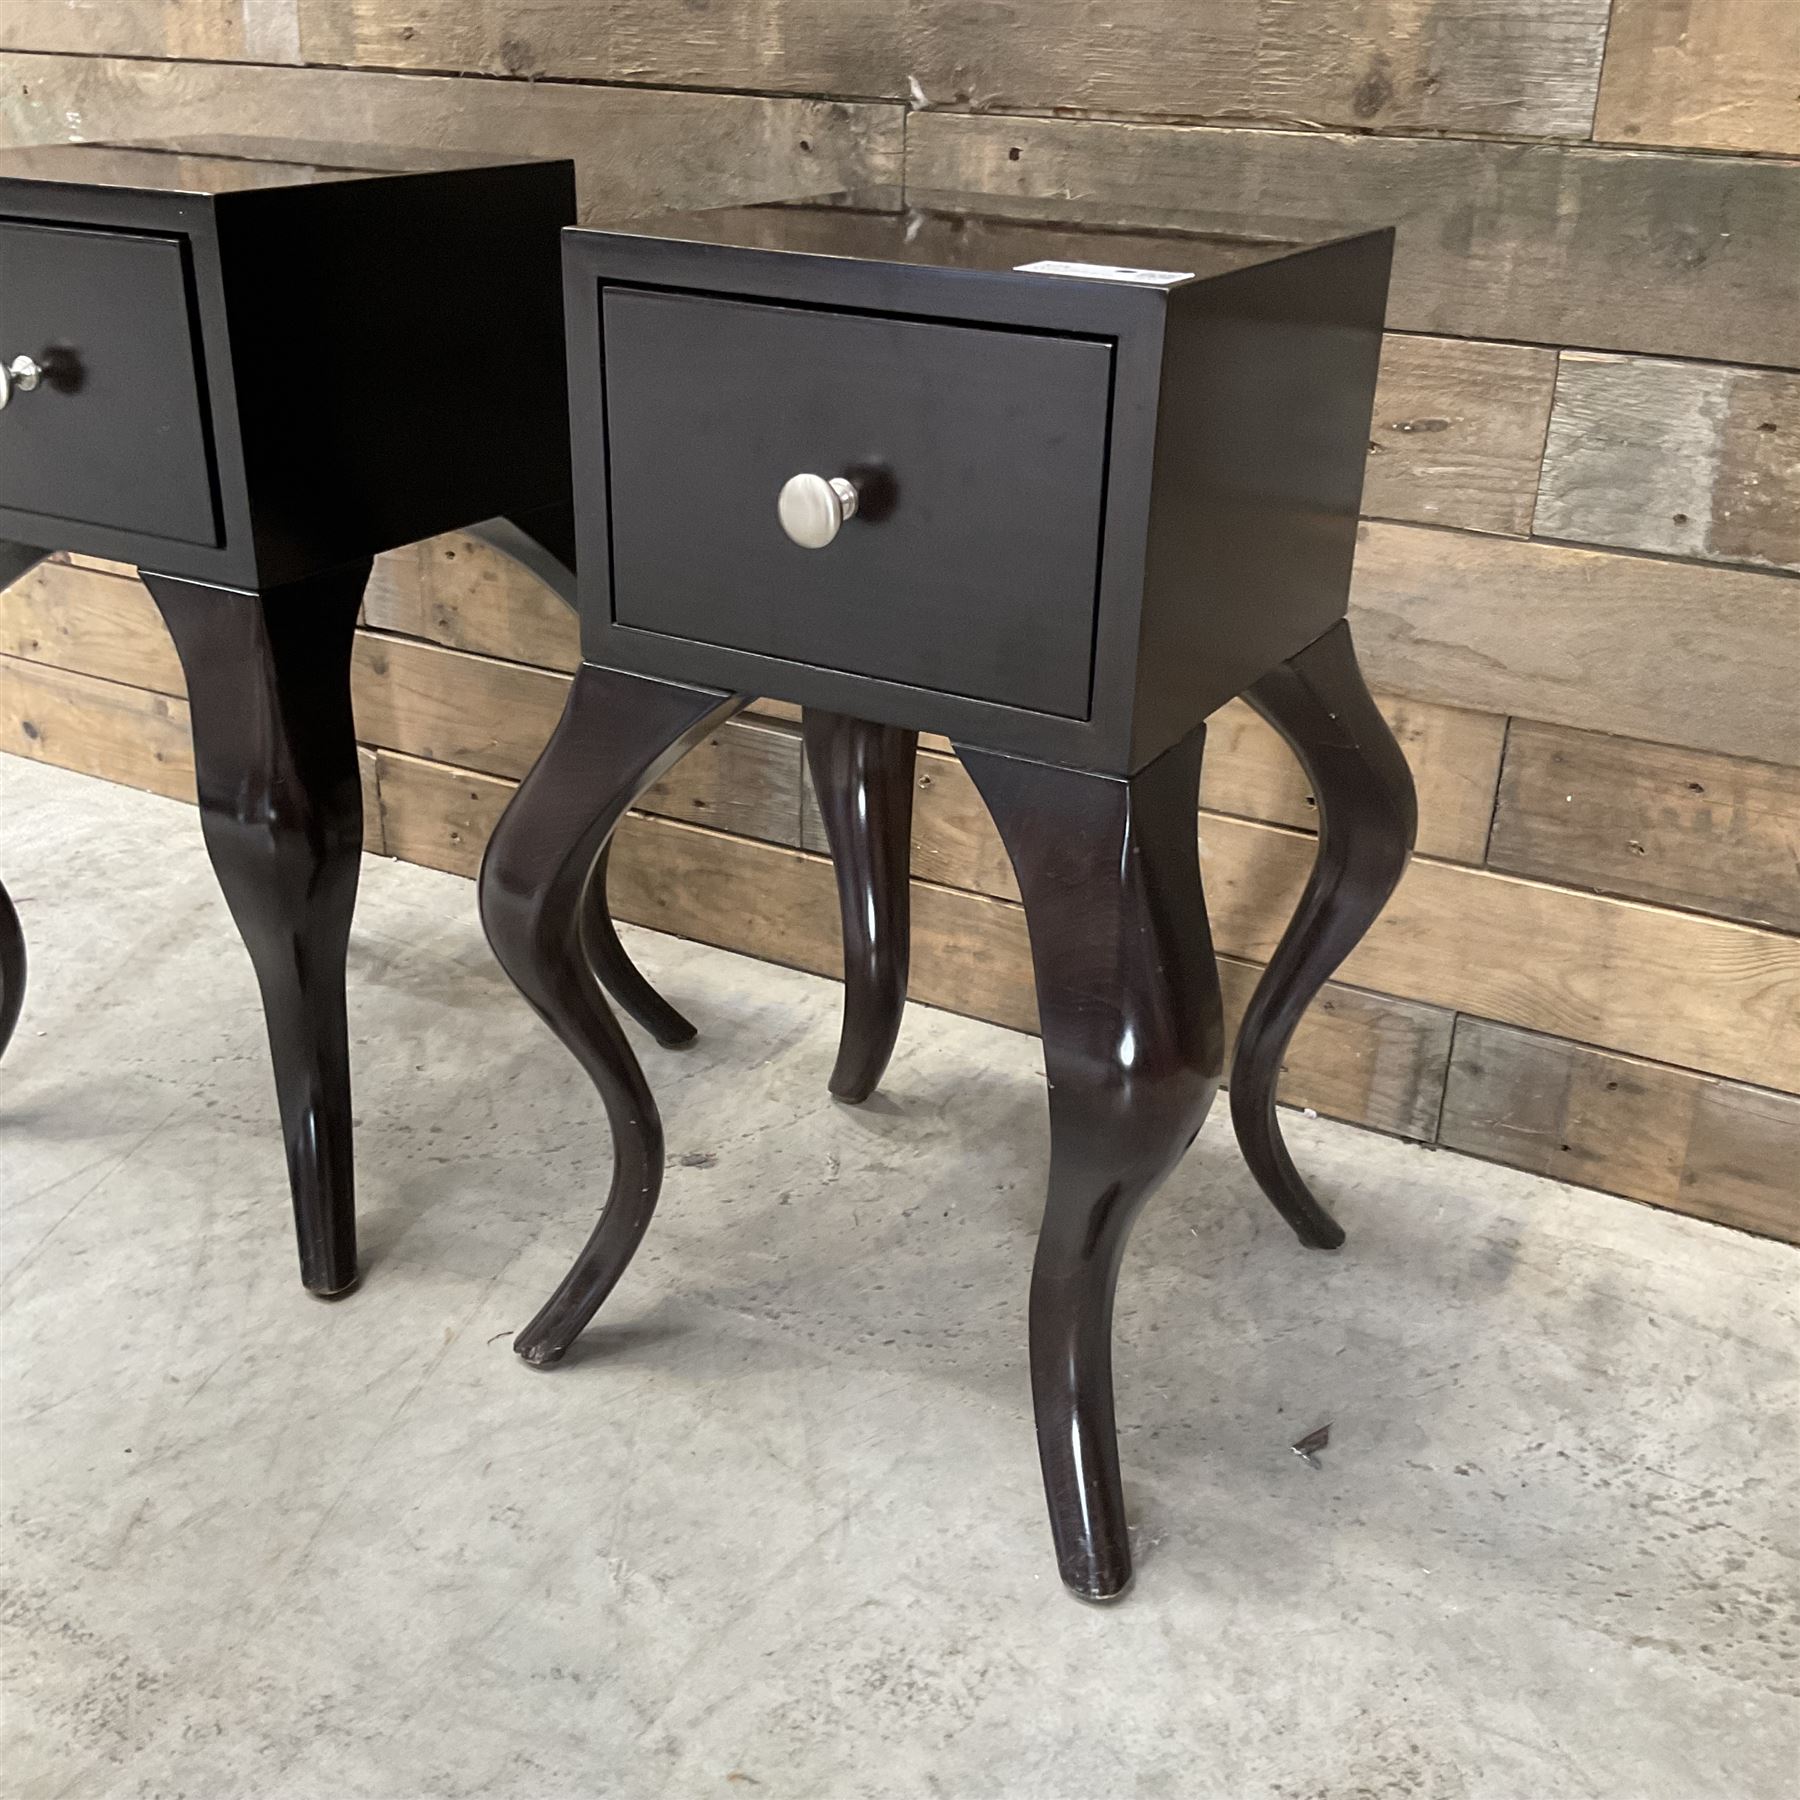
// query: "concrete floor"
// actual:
[[776, 1529]]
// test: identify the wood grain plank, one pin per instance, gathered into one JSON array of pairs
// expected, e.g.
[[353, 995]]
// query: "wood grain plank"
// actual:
[[1687, 459], [1715, 1149], [1458, 432], [374, 830], [1715, 74], [632, 147], [1546, 957], [1532, 242], [451, 707], [1714, 833], [1455, 756], [1671, 987], [1248, 771], [1363, 1057], [744, 779], [1672, 653], [121, 733], [233, 30], [476, 713], [94, 623], [1527, 66], [789, 46], [96, 727], [457, 591]]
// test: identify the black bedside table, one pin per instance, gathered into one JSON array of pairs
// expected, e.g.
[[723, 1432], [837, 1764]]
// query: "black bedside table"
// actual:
[[1057, 491], [249, 367]]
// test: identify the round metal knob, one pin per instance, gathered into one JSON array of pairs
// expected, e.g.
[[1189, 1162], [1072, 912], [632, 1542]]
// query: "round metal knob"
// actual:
[[813, 509], [21, 373]]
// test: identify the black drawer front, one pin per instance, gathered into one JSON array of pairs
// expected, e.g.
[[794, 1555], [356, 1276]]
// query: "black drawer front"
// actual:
[[116, 437], [977, 578]]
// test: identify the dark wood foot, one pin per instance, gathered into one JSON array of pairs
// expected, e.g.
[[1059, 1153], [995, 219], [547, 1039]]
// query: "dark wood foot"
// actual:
[[1128, 1000], [12, 969], [15, 560], [544, 543], [268, 678], [618, 733], [615, 970], [863, 776], [1368, 816]]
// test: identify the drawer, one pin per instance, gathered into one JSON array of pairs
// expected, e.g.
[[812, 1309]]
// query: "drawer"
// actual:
[[972, 567], [116, 436]]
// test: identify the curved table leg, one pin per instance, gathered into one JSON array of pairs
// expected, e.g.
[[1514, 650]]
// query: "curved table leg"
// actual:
[[16, 560], [863, 776], [1368, 816], [12, 968], [1128, 999], [617, 734], [268, 679], [543, 542]]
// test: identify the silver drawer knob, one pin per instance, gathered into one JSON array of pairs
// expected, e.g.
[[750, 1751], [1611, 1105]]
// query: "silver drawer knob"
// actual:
[[813, 509], [21, 373]]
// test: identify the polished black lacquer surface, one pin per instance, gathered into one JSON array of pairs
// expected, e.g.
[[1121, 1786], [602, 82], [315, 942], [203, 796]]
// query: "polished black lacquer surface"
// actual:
[[1225, 464], [939, 229], [1103, 481], [263, 363], [270, 358]]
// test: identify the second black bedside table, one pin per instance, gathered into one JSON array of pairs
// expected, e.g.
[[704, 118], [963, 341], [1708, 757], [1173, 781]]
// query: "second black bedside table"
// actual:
[[1059, 491], [247, 368]]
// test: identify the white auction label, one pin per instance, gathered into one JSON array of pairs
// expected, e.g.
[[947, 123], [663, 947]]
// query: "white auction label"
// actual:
[[1107, 272]]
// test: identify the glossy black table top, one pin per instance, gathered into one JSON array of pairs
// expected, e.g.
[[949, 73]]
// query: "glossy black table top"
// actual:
[[938, 229], [208, 166]]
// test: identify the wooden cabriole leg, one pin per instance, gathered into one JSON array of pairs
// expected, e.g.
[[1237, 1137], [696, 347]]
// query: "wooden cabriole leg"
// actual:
[[863, 776], [1368, 816], [1128, 1002], [618, 733], [543, 542], [12, 968], [268, 680], [15, 560]]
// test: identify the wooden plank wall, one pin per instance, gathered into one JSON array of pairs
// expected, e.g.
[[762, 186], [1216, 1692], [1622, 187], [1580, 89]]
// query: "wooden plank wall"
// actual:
[[1576, 589]]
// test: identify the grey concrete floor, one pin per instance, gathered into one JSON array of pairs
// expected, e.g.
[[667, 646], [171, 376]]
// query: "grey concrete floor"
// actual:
[[776, 1530]]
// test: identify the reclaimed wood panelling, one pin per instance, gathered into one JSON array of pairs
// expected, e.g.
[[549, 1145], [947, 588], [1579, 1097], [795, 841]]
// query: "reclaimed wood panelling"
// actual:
[[233, 30], [1364, 1057], [120, 733], [451, 707], [632, 147], [1250, 772], [1533, 954], [1538, 242], [1455, 758], [1673, 987], [92, 622], [1674, 653], [1713, 833], [455, 590], [1717, 1149], [1716, 74], [1458, 432], [96, 727], [1520, 66], [744, 779], [455, 707], [1687, 459], [789, 46]]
